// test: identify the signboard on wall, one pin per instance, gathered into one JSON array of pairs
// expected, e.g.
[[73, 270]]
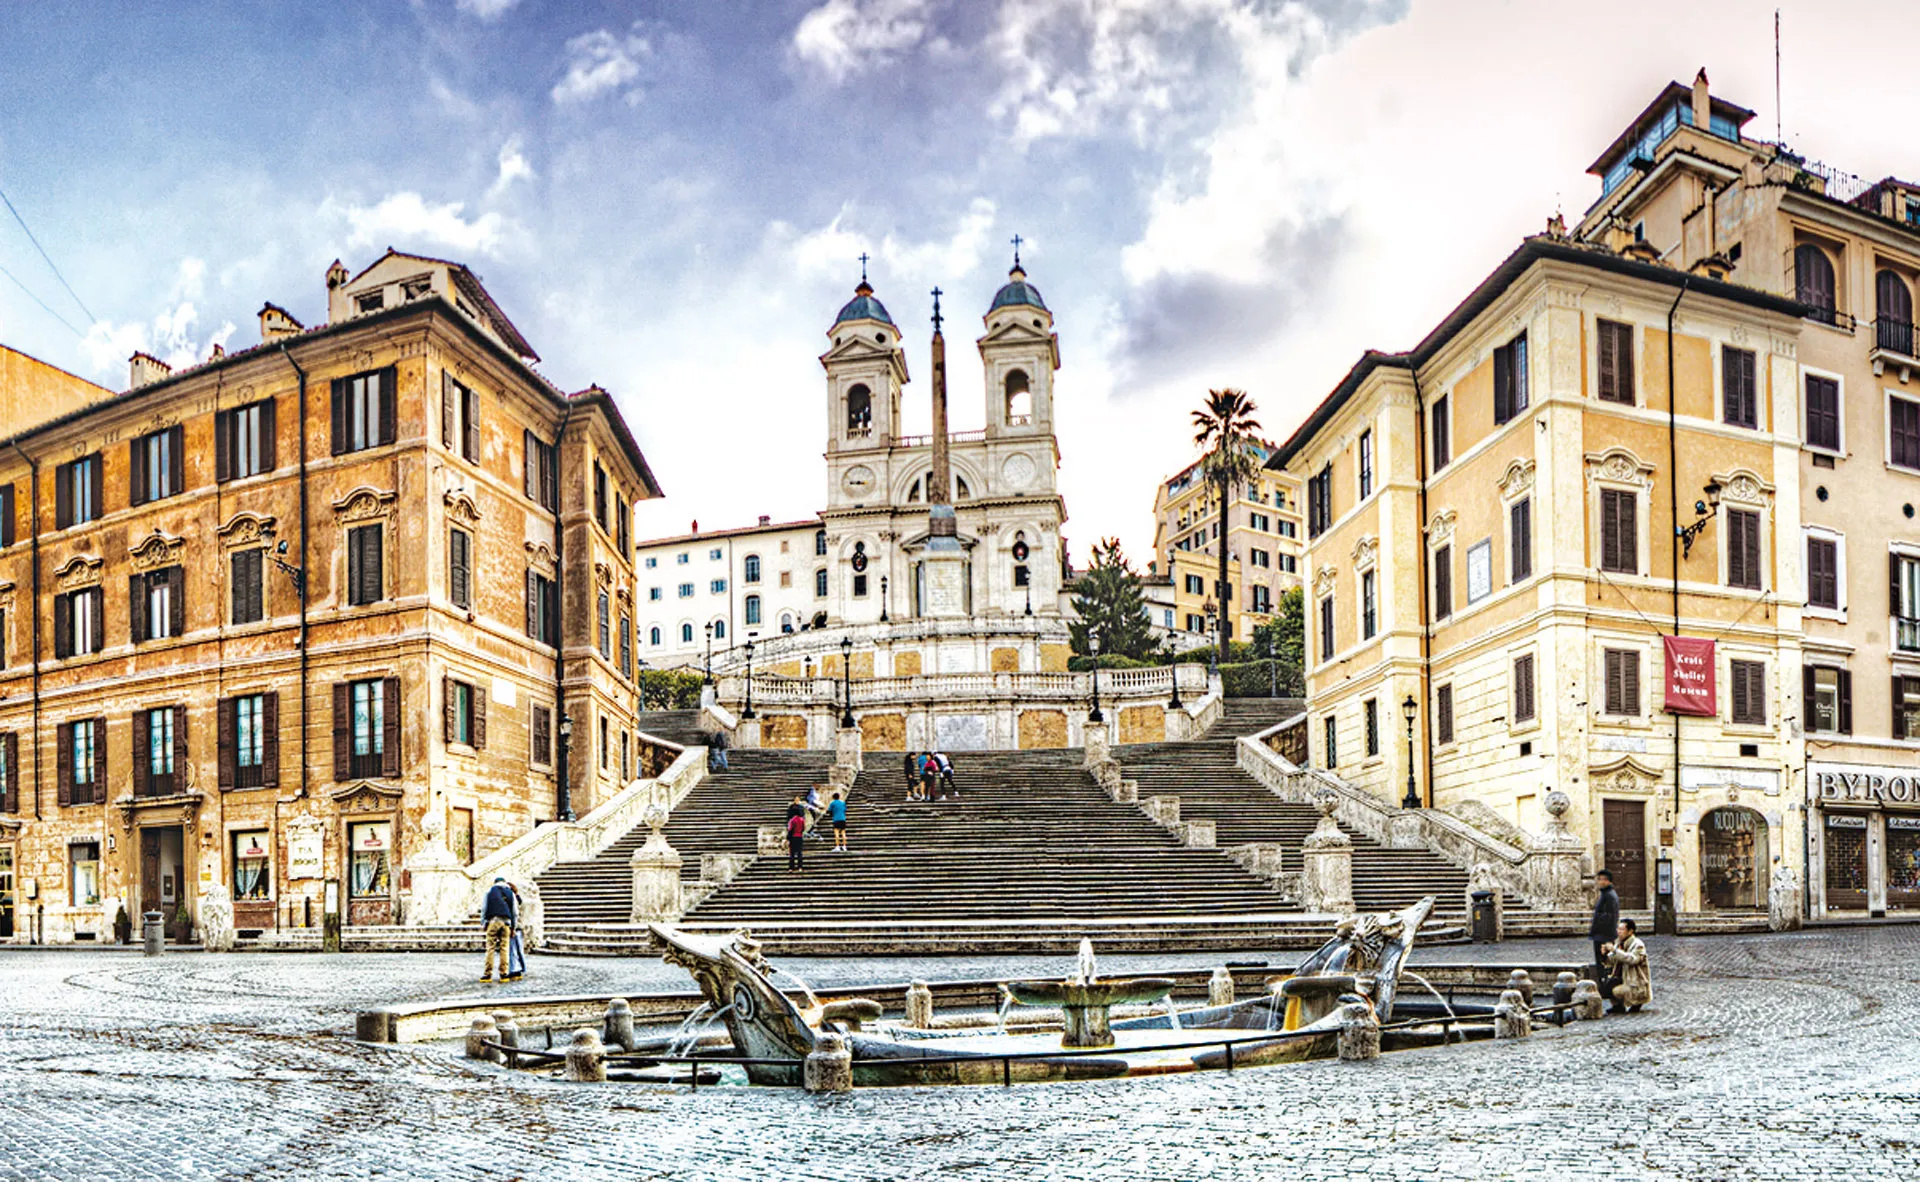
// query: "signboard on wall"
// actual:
[[304, 849], [1689, 676]]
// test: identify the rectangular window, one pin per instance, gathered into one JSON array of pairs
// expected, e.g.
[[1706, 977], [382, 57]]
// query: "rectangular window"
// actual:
[[1333, 750], [1196, 585], [243, 441], [1619, 532], [1623, 682], [622, 527], [252, 866], [153, 751], [1523, 689], [1903, 432], [820, 583], [1443, 714], [76, 491], [1739, 393], [367, 720], [247, 726], [1749, 680], [249, 586], [652, 562], [1366, 464], [543, 609], [713, 555], [1823, 413], [600, 496], [83, 874], [626, 756], [459, 417], [363, 411], [1326, 628], [460, 567], [1289, 529], [717, 587], [156, 604], [1260, 558], [1260, 522], [1443, 582], [366, 582], [155, 466], [1369, 620], [541, 752], [1520, 539], [1906, 707], [1510, 380], [1616, 362], [1829, 697], [1441, 425], [1904, 598], [606, 744], [1823, 573], [1262, 599], [626, 646], [686, 590], [541, 471], [1320, 502], [79, 623], [83, 758], [1743, 549], [653, 594], [8, 516], [1370, 710], [604, 618], [859, 586], [466, 714]]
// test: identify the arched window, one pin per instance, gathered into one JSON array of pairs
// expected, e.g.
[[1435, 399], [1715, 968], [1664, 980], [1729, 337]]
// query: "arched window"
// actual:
[[752, 572], [820, 583], [859, 411], [1893, 305], [1813, 277], [961, 491], [913, 494], [786, 622], [719, 629], [1019, 552], [753, 609], [819, 619], [653, 636], [686, 634], [820, 542], [1019, 399]]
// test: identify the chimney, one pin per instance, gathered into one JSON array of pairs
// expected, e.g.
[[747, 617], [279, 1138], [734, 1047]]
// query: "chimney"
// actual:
[[336, 274], [277, 322], [144, 369], [1702, 105], [765, 519]]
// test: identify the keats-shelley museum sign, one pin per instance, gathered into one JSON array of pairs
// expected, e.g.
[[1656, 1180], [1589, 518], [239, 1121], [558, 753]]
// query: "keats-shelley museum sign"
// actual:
[[1864, 785]]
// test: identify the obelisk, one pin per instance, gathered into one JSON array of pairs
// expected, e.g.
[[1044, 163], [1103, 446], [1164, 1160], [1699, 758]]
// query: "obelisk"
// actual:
[[944, 563]]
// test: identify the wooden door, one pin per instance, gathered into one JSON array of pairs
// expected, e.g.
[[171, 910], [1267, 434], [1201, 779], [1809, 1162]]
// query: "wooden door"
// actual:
[[1624, 846], [149, 899]]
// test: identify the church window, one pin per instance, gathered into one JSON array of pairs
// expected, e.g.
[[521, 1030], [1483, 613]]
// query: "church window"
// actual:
[[960, 482], [859, 412], [752, 572], [1019, 399], [820, 541], [820, 583], [913, 494]]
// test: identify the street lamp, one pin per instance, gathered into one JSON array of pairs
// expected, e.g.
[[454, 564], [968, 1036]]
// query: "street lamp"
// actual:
[[563, 795], [846, 679], [748, 712], [709, 666], [883, 599], [1093, 646], [1410, 708], [1703, 516]]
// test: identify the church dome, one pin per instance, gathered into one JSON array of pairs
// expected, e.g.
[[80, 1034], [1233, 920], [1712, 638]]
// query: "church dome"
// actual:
[[1018, 292], [863, 307]]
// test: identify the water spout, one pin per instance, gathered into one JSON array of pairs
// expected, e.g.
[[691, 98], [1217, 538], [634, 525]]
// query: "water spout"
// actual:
[[1173, 1013], [1454, 1028], [1006, 1003], [1084, 973]]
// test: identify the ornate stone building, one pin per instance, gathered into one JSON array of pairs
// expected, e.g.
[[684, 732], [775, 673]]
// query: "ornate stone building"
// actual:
[[282, 623]]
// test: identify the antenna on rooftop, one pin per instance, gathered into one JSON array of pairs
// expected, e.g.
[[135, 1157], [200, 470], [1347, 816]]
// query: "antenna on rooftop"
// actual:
[[1779, 136]]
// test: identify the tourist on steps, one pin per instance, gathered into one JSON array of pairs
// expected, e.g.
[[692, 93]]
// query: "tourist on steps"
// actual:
[[1629, 983], [945, 766], [497, 916], [929, 776], [913, 773], [797, 834], [1606, 917], [717, 752], [816, 808], [837, 810]]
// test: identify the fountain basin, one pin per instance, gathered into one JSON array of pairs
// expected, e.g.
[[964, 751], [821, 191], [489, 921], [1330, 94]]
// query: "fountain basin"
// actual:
[[1087, 1005]]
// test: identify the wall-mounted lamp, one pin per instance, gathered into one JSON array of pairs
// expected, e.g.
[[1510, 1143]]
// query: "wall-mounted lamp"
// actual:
[[1703, 515]]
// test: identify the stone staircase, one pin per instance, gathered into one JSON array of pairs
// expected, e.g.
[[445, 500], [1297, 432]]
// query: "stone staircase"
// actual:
[[675, 726], [1250, 716]]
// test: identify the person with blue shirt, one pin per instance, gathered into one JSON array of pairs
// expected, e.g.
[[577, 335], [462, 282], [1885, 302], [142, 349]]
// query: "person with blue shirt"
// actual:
[[498, 915], [837, 813]]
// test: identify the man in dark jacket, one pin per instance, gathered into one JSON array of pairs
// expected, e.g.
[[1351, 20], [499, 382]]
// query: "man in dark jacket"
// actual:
[[497, 915], [1606, 917]]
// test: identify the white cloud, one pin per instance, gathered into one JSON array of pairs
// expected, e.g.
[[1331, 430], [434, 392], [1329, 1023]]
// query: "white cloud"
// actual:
[[169, 335], [831, 251], [407, 218], [844, 37], [513, 166], [599, 62], [486, 10]]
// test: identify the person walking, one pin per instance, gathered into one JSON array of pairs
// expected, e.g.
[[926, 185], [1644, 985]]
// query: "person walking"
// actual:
[[816, 809], [1606, 917], [1629, 983], [945, 765], [797, 834], [497, 915], [717, 752], [516, 945], [912, 765], [837, 812]]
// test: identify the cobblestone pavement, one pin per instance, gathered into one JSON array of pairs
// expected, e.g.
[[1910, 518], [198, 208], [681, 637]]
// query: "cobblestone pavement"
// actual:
[[1763, 1057]]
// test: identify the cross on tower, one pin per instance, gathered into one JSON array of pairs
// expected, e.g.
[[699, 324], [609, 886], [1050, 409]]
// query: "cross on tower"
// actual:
[[863, 266], [1017, 240], [936, 309]]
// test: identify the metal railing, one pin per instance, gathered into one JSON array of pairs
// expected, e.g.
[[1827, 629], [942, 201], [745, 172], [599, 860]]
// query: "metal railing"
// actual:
[[1906, 634], [1895, 336], [1832, 317]]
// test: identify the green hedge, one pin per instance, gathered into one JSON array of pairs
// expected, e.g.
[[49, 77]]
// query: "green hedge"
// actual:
[[1258, 679], [669, 689], [1081, 664]]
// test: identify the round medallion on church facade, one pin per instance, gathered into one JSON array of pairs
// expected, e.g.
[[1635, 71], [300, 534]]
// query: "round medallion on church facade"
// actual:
[[1018, 469], [859, 479]]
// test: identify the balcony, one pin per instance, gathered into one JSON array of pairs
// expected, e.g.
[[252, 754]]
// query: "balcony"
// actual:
[[1832, 317], [1893, 342], [1906, 634]]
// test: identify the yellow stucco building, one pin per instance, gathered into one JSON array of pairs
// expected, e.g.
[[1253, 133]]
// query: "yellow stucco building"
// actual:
[[1263, 549]]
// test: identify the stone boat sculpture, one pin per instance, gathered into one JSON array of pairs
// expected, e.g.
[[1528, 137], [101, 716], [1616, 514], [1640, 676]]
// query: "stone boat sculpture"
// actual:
[[1299, 1017]]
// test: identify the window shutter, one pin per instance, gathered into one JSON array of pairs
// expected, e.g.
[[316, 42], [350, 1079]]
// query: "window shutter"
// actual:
[[1893, 585], [180, 745], [388, 410], [1616, 696], [1629, 541], [530, 477], [268, 441], [63, 736], [270, 739], [136, 473], [12, 748], [339, 415], [1609, 365], [177, 600], [343, 731], [224, 425], [1846, 701], [63, 496], [142, 759], [62, 626], [459, 567], [1502, 387], [479, 735], [136, 608], [226, 733], [1808, 688], [533, 605], [94, 470], [177, 458], [447, 424], [473, 425], [8, 528], [390, 737], [1630, 682], [1899, 715], [1742, 703], [1444, 708], [449, 720]]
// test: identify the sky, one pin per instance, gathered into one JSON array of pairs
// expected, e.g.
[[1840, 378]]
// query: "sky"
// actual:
[[669, 198]]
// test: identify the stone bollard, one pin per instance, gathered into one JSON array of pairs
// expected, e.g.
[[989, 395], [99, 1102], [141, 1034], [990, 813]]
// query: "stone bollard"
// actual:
[[1359, 1037], [1220, 987], [1521, 982], [829, 1066], [1326, 865], [617, 1030], [509, 1035], [1510, 1017], [479, 1034], [919, 1014], [586, 1058], [373, 1026], [153, 932], [1783, 900], [1587, 1003], [1563, 987]]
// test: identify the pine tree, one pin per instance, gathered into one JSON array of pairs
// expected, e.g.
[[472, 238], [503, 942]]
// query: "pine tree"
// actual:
[[1107, 598]]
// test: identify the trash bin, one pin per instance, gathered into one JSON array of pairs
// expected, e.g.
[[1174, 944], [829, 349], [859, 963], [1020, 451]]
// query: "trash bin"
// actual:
[[1485, 925], [153, 932]]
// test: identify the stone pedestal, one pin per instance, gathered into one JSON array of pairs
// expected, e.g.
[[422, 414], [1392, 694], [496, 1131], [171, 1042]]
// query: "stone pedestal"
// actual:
[[1554, 879], [1520, 981], [1262, 859], [1220, 987], [919, 1013], [1359, 1037], [216, 918], [1510, 1017], [1165, 810], [479, 1035], [1326, 865], [1086, 1026], [1197, 835], [1098, 751], [829, 1066], [1588, 1006], [656, 874], [586, 1058], [847, 749], [1784, 913], [617, 1029]]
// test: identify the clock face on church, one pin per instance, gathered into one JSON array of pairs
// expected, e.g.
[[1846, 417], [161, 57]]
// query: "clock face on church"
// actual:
[[1018, 470], [858, 481]]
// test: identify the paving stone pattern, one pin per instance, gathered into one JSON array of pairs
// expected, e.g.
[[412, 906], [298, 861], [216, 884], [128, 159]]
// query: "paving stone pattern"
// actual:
[[1764, 1057]]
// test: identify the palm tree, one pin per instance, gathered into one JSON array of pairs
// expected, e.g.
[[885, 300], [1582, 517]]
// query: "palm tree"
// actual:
[[1224, 425]]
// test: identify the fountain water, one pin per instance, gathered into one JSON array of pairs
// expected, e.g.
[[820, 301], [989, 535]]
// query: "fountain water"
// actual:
[[1084, 971], [1085, 1001], [1444, 1003], [689, 1034], [1173, 1013], [1006, 1003]]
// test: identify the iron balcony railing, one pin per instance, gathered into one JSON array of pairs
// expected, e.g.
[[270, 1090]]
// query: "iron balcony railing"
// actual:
[[1831, 316], [1906, 634], [1895, 336]]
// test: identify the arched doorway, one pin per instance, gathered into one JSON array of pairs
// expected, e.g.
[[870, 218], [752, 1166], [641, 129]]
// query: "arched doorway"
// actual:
[[1733, 858]]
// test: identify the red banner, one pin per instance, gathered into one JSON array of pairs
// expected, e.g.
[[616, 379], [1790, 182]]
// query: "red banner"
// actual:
[[1689, 676]]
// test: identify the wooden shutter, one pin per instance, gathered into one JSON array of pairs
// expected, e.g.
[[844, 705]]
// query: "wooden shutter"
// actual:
[[142, 760], [96, 465], [1630, 683], [1738, 381], [136, 473], [530, 478], [479, 729], [1502, 384], [1846, 701], [225, 426], [449, 716], [533, 605], [1627, 542], [63, 496], [270, 739], [1899, 730], [63, 760], [136, 608], [1616, 695], [1823, 412], [226, 734], [1737, 558], [1808, 688], [1609, 364], [12, 748], [340, 388], [447, 411], [389, 411], [1742, 703], [1443, 707], [176, 577], [176, 459], [472, 425], [9, 529], [1520, 538], [1523, 689], [62, 626], [343, 731], [1893, 585], [1443, 582], [267, 442], [390, 736], [180, 747], [459, 567]]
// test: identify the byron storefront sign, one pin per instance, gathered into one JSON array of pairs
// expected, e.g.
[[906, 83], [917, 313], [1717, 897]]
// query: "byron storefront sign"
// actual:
[[1864, 785], [1689, 676]]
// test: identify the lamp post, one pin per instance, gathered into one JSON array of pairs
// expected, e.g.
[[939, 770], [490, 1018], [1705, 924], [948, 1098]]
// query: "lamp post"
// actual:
[[563, 794], [708, 680], [1093, 646], [1176, 704], [1410, 708], [748, 712], [846, 679], [883, 599], [1213, 636]]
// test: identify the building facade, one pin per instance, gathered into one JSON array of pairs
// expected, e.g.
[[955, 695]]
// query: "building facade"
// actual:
[[281, 623], [1264, 545]]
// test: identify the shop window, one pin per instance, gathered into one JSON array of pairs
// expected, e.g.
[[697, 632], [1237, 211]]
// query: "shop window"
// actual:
[[1733, 858], [1846, 861], [370, 867], [1903, 861], [83, 874], [252, 866]]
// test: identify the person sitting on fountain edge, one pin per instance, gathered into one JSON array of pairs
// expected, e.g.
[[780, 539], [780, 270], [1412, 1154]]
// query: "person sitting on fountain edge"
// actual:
[[1629, 983]]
